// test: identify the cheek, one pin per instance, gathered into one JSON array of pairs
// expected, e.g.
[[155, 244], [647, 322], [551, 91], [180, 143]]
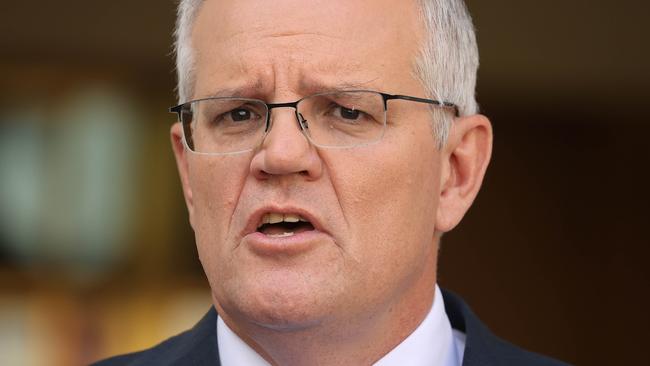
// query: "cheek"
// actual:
[[388, 197], [216, 184]]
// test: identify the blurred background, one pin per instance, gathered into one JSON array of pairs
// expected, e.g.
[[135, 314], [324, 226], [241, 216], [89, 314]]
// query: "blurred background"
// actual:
[[97, 256]]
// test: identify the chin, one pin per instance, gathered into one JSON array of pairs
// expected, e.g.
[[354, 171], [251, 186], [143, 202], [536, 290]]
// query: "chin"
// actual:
[[279, 305]]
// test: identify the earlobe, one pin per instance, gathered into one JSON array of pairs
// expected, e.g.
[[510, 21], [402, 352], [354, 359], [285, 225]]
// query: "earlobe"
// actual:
[[465, 160], [181, 162]]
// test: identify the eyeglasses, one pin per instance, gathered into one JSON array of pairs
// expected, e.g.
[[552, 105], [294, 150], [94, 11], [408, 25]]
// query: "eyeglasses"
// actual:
[[338, 119]]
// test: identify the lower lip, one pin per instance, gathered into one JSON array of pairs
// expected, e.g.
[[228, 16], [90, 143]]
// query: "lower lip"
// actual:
[[266, 245]]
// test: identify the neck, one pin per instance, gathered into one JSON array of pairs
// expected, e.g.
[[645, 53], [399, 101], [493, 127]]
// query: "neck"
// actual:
[[360, 341]]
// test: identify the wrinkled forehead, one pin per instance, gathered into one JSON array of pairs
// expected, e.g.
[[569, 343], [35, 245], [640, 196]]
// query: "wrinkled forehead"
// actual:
[[363, 40]]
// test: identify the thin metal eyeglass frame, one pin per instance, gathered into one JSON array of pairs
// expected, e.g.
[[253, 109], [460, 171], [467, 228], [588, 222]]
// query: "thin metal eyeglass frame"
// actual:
[[179, 109]]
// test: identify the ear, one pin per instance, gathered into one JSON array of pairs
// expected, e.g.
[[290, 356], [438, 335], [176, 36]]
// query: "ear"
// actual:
[[180, 152], [465, 158]]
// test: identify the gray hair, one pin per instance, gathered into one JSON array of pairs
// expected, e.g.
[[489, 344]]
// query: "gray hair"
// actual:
[[446, 65]]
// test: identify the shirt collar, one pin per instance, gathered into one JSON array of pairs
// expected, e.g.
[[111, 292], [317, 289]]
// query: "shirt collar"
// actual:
[[233, 351], [431, 344]]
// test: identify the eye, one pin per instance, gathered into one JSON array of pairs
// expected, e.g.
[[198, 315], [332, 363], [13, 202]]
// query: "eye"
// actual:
[[348, 113], [231, 115], [240, 114]]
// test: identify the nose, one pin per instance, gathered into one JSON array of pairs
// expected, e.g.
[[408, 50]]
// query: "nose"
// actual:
[[285, 150]]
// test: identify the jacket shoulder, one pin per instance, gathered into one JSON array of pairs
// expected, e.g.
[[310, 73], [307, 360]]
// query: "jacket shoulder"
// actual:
[[197, 346], [484, 348], [510, 354]]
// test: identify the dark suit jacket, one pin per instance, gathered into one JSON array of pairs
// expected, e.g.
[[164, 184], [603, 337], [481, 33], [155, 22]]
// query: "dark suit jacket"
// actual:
[[198, 346]]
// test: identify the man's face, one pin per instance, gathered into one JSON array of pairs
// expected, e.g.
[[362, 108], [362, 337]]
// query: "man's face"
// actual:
[[372, 209]]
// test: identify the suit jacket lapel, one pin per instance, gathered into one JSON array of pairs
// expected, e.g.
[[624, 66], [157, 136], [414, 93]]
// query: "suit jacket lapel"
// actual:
[[479, 341], [201, 349]]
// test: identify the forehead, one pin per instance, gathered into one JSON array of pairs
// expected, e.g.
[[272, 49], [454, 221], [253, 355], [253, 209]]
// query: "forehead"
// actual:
[[303, 45]]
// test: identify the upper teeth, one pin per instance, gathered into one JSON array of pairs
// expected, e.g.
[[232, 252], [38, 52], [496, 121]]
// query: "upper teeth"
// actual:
[[274, 218]]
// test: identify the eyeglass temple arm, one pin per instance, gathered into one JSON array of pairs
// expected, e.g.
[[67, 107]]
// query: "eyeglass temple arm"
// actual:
[[177, 109], [423, 100]]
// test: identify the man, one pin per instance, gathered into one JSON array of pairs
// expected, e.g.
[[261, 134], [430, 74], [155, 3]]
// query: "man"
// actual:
[[324, 147]]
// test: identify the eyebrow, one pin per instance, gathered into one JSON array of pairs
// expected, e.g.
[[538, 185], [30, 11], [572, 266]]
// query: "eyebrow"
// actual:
[[246, 90], [310, 86]]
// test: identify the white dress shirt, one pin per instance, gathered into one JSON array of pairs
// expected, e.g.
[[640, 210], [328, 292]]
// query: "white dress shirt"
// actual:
[[432, 343]]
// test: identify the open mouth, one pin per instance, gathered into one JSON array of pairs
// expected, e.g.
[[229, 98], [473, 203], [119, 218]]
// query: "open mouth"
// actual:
[[279, 225]]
